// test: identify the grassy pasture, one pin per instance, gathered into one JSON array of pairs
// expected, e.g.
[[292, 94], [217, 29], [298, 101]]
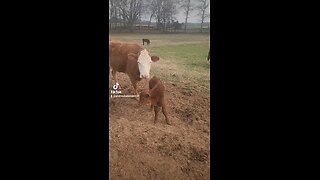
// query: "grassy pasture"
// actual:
[[182, 57]]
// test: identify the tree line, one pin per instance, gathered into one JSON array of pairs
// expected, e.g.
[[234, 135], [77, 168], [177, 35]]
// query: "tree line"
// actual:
[[125, 14]]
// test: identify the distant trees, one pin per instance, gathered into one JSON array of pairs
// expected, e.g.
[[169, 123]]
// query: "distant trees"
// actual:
[[125, 14], [150, 6], [187, 8], [176, 25], [164, 12], [113, 13], [202, 10], [130, 11]]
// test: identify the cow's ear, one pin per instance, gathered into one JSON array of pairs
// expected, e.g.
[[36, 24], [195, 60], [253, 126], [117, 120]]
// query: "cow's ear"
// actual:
[[155, 58], [132, 56]]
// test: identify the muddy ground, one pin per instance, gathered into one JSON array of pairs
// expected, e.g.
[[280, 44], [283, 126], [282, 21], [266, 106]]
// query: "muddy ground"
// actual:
[[140, 149]]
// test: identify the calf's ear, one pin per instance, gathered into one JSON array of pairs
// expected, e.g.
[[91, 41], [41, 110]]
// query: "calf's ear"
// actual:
[[155, 58]]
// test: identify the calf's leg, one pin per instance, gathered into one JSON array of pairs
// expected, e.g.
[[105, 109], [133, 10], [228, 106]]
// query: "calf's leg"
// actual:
[[164, 111], [156, 110]]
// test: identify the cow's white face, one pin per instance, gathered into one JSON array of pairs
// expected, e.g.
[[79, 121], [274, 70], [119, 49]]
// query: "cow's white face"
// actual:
[[144, 64]]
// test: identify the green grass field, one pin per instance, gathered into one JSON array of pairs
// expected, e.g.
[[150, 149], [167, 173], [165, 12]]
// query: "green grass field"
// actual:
[[183, 57]]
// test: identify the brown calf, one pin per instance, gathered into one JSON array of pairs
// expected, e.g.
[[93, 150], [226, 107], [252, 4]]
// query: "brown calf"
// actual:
[[155, 96]]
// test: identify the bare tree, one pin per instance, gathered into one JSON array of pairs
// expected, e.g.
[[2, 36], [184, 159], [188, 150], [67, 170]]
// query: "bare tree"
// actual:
[[114, 14], [130, 12], [111, 13], [151, 7], [187, 8], [202, 9], [164, 12], [157, 5]]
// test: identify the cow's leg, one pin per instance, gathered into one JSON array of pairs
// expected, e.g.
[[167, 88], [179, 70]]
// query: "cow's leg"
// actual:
[[134, 84], [164, 111], [156, 110], [113, 72]]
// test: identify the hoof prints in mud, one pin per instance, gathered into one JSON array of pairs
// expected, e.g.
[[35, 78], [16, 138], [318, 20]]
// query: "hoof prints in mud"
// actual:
[[199, 155], [169, 150], [169, 145], [187, 114], [186, 92]]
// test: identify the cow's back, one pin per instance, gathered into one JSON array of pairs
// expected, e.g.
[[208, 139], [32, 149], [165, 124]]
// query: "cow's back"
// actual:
[[118, 54]]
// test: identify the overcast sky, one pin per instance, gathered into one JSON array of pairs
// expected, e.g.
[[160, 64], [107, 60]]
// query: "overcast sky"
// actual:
[[180, 16]]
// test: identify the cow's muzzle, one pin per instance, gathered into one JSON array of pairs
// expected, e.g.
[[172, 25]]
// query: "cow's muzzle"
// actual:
[[144, 76]]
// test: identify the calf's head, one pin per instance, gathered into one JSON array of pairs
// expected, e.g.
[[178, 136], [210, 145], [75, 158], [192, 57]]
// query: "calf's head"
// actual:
[[144, 97], [144, 61]]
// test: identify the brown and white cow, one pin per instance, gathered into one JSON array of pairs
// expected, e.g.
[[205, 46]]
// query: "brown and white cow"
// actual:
[[156, 97], [131, 59]]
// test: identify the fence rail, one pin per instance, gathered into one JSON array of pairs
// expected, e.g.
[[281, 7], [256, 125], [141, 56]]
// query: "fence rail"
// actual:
[[143, 28]]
